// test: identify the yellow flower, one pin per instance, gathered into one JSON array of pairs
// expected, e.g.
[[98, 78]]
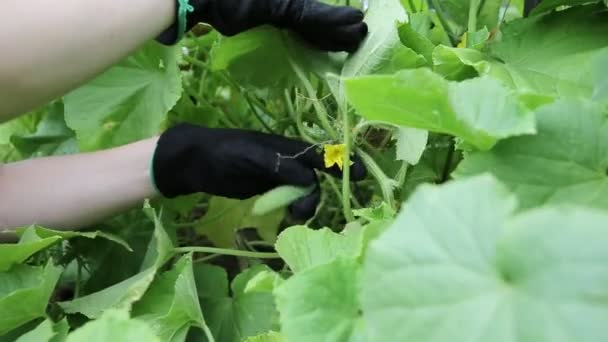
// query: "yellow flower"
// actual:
[[334, 155]]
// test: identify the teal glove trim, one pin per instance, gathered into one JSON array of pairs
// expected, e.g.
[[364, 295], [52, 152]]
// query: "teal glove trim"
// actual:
[[182, 21]]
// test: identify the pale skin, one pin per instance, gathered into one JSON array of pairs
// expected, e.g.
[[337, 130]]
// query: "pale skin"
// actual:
[[47, 49]]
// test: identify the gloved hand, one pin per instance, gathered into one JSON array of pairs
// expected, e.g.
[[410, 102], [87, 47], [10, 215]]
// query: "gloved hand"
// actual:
[[331, 28], [239, 164]]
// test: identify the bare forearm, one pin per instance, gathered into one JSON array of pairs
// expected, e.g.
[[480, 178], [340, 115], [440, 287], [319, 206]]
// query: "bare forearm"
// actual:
[[49, 47], [70, 192]]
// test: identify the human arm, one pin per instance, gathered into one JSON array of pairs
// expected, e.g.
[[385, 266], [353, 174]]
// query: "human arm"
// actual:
[[50, 47], [70, 192]]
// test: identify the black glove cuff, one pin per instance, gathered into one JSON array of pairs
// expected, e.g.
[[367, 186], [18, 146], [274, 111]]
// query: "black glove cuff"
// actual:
[[170, 164]]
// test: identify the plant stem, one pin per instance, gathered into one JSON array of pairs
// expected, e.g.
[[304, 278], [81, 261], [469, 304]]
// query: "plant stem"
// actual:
[[411, 3], [297, 118], [346, 203], [319, 107], [472, 24], [208, 333], [223, 251], [78, 278], [384, 182], [257, 115], [402, 174], [443, 21], [196, 62]]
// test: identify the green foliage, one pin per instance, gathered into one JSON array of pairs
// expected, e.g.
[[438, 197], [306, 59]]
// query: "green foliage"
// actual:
[[565, 163], [458, 255], [422, 99], [114, 325], [249, 312], [122, 295], [548, 5], [47, 331], [171, 305], [24, 294], [303, 248], [227, 216], [273, 65], [128, 102], [11, 254], [551, 54], [325, 307], [513, 249]]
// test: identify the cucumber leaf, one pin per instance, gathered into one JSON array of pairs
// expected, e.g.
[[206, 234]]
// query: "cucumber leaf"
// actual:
[[320, 303], [565, 163], [303, 248], [116, 326], [422, 99], [24, 294], [171, 303], [125, 293], [459, 260], [129, 102]]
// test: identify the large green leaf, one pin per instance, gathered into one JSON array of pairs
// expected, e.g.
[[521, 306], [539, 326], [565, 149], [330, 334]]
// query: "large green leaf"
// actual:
[[411, 143], [160, 248], [251, 310], [382, 18], [458, 266], [51, 137], [303, 248], [11, 254], [115, 326], [47, 331], [211, 281], [119, 296], [24, 294], [566, 162], [320, 304], [45, 233], [43, 332], [171, 304], [480, 111], [380, 46], [226, 216], [548, 5], [415, 40], [456, 13], [551, 54], [25, 124], [128, 102], [600, 70], [262, 57], [123, 294]]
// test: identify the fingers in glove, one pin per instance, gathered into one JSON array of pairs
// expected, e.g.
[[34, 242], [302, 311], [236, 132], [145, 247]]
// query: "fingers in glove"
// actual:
[[287, 151], [292, 172], [306, 207], [345, 38], [316, 13]]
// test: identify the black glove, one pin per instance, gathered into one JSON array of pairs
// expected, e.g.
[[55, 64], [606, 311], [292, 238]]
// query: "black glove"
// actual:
[[238, 164], [529, 5], [331, 28]]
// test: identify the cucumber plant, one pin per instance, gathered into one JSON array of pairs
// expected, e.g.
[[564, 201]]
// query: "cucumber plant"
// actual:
[[485, 135]]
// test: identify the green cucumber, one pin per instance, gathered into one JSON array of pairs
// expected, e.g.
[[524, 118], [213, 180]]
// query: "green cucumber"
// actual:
[[279, 197]]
